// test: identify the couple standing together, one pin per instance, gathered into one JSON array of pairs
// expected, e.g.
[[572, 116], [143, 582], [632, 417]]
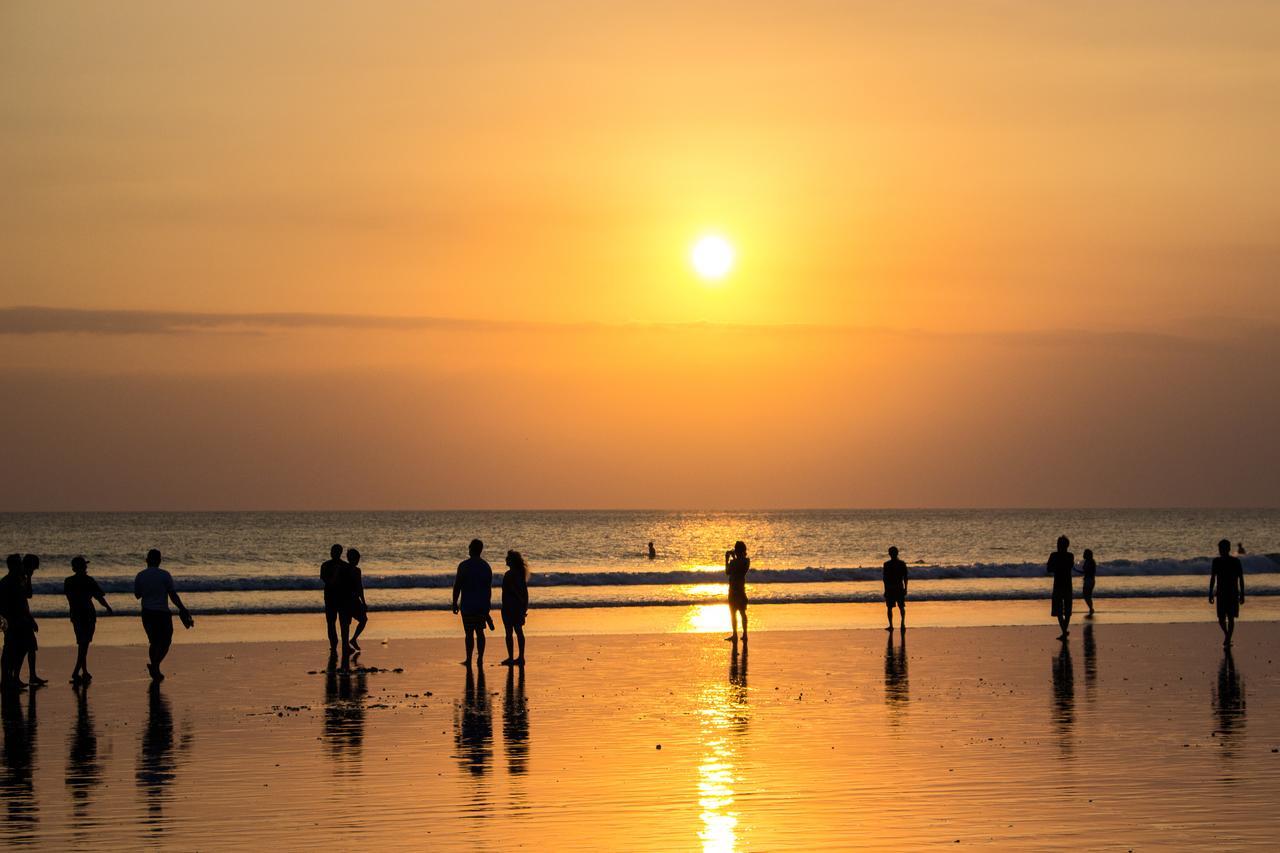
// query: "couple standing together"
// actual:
[[344, 601], [473, 596]]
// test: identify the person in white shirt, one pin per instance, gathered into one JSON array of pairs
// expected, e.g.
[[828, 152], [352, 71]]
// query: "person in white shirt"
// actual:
[[154, 588]]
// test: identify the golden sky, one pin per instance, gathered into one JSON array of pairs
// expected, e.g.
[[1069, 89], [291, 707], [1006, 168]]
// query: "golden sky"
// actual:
[[987, 254]]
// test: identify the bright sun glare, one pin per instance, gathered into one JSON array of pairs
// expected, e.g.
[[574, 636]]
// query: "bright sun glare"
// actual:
[[712, 257]]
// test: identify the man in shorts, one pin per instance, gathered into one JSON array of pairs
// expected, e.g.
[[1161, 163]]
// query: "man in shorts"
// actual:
[[1061, 563], [81, 591], [1228, 573], [895, 588], [472, 595], [19, 627], [153, 586]]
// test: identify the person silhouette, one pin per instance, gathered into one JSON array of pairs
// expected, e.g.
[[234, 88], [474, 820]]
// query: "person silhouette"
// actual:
[[473, 589], [1061, 563], [1088, 568], [81, 591], [331, 572], [357, 608], [653, 552], [895, 588], [1228, 572], [30, 564], [19, 632], [153, 586], [736, 566], [515, 604]]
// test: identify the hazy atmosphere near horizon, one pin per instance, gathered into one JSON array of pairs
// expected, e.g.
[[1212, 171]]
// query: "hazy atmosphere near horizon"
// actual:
[[284, 255]]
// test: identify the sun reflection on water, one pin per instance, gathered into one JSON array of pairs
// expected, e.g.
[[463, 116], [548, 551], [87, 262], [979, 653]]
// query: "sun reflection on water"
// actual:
[[724, 718], [703, 618]]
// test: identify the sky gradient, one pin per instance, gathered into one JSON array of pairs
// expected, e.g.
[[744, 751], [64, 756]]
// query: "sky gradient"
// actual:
[[300, 256]]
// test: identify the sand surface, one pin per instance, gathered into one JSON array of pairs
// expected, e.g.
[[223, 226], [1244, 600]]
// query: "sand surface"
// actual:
[[1130, 736]]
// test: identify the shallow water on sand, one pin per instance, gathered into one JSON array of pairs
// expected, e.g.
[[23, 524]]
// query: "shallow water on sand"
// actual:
[[1130, 735]]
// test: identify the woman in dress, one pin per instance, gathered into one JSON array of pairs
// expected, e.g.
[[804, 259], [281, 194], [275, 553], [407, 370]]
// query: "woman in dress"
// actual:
[[515, 605]]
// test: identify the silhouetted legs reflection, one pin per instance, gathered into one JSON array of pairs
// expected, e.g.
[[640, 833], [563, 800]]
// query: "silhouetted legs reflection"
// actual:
[[157, 757], [1228, 704], [1090, 659], [473, 726], [896, 689], [1064, 697], [515, 722], [344, 710], [17, 787], [84, 771]]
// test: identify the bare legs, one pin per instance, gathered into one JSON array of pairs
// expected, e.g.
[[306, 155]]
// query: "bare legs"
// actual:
[[81, 672], [475, 640], [1228, 625], [1064, 623], [734, 615], [518, 631], [361, 621]]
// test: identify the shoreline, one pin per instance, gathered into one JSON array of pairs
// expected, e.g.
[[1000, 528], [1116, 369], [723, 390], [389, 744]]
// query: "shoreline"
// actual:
[[125, 629]]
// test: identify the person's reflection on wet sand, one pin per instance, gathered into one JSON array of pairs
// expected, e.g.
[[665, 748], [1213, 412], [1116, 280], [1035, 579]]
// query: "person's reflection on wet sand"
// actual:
[[515, 722], [738, 688], [84, 770], [344, 712], [897, 693], [1090, 661], [473, 726], [157, 757], [1228, 705], [1064, 697], [17, 787]]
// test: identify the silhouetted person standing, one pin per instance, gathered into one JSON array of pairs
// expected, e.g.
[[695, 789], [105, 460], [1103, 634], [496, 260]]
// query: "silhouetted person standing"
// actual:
[[1228, 573], [357, 607], [19, 631], [895, 588], [473, 590], [1089, 568], [515, 604], [653, 552], [31, 564], [332, 572], [81, 591], [153, 586], [1060, 565], [736, 566]]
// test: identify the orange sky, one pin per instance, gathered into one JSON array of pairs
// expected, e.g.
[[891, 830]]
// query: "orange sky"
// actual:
[[989, 254]]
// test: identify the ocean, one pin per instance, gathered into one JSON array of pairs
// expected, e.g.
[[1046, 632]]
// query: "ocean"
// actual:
[[268, 562]]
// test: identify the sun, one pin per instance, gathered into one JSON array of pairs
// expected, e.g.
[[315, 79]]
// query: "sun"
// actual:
[[712, 257]]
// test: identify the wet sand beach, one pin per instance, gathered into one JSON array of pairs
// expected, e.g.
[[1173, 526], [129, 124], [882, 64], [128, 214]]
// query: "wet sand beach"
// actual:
[[1129, 736]]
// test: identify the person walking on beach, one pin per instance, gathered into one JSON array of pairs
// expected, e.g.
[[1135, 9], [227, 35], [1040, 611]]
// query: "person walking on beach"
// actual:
[[736, 566], [357, 607], [30, 564], [515, 604], [81, 591], [153, 586], [19, 627], [1060, 565], [1089, 568], [333, 573], [895, 588], [1228, 573], [473, 589]]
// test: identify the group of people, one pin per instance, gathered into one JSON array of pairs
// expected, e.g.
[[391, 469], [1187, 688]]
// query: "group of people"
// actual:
[[344, 603], [153, 587]]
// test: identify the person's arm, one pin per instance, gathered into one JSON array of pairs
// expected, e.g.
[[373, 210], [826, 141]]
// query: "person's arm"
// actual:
[[100, 596], [1242, 583], [457, 588], [904, 580], [187, 620], [1213, 576], [137, 586]]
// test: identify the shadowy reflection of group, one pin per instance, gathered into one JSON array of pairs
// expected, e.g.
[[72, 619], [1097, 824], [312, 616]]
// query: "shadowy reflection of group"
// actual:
[[17, 786], [84, 770], [1229, 705], [473, 726], [897, 693], [344, 712], [515, 723], [1064, 697], [158, 757]]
